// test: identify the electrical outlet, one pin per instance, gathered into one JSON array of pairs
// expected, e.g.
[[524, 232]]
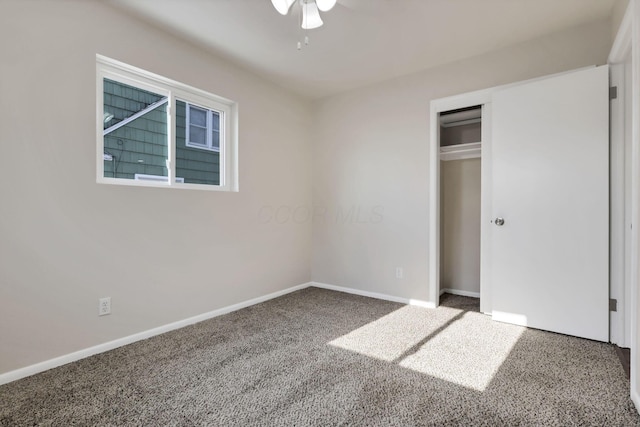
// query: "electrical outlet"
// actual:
[[399, 272], [104, 306]]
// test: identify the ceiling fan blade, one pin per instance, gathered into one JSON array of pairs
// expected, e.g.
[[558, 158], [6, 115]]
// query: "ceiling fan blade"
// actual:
[[325, 5], [282, 6]]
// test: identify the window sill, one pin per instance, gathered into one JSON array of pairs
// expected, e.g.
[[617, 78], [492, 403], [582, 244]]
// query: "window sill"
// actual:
[[200, 147]]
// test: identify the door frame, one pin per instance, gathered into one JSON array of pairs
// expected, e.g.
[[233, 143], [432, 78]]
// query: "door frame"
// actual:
[[471, 99], [627, 42], [620, 257]]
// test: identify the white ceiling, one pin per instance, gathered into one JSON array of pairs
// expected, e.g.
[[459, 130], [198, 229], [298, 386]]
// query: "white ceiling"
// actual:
[[362, 41]]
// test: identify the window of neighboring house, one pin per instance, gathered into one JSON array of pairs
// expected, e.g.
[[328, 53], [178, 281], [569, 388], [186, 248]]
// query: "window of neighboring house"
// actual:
[[203, 130], [153, 131]]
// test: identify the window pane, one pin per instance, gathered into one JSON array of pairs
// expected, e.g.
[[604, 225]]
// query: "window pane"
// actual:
[[197, 135], [215, 139], [215, 122], [197, 116], [135, 134], [194, 165]]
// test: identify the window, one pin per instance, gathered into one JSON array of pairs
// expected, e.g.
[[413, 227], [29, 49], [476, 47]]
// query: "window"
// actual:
[[203, 130], [157, 132]]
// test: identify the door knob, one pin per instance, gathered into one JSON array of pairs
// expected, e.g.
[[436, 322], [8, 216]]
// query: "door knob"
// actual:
[[499, 222]]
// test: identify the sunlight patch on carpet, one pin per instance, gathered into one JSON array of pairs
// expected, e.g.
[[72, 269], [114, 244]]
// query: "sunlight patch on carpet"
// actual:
[[448, 344], [465, 353], [390, 337]]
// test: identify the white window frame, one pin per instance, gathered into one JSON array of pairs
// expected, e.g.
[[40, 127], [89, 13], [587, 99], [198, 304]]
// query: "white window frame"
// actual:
[[173, 90], [208, 145]]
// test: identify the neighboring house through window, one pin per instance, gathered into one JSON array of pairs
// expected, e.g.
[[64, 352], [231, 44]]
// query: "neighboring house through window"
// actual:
[[153, 131]]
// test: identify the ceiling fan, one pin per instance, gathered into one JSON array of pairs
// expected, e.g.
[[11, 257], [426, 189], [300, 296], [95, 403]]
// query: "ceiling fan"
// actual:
[[310, 10]]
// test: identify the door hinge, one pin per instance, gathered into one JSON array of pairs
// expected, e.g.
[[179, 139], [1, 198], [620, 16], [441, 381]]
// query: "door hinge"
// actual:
[[613, 92], [613, 304]]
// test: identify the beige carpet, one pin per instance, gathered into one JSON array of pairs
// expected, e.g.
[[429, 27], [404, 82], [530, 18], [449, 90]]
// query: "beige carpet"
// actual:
[[317, 357]]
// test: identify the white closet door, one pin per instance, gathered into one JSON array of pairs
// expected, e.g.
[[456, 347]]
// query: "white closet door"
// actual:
[[550, 185]]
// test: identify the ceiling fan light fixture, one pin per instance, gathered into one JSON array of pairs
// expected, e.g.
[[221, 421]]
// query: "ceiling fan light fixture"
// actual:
[[325, 5], [310, 15], [282, 6]]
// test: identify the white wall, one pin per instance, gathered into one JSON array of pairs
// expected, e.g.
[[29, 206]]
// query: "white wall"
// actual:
[[617, 13], [371, 152], [161, 255], [460, 225]]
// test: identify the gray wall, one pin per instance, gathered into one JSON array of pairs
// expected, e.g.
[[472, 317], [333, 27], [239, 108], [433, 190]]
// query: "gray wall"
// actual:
[[619, 9], [460, 225], [162, 255], [464, 134]]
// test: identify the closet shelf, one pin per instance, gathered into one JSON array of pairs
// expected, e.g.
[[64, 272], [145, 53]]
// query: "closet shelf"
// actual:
[[461, 151]]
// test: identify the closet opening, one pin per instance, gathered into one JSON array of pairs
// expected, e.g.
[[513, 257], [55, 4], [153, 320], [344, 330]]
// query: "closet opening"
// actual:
[[460, 148]]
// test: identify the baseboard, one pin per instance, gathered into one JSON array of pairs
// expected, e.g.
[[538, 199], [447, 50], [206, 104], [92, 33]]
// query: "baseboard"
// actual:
[[460, 292], [419, 303], [101, 348], [635, 398]]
